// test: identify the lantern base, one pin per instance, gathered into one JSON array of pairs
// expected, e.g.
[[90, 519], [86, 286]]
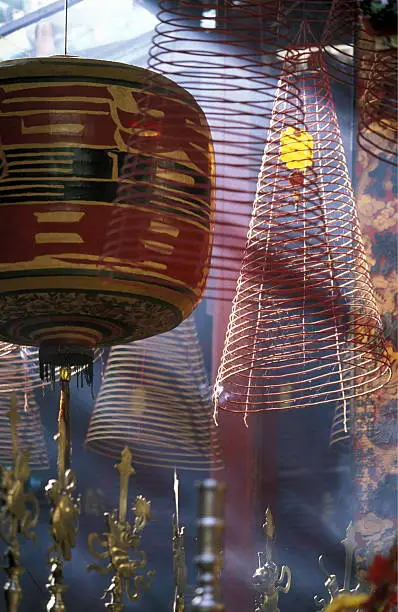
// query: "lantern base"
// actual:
[[54, 356]]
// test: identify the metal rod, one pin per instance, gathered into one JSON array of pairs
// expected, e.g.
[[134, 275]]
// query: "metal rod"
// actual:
[[66, 28], [35, 16]]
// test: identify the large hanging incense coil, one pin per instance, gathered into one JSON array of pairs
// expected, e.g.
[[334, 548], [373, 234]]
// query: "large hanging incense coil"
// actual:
[[66, 126], [304, 327], [155, 398], [30, 433], [225, 54]]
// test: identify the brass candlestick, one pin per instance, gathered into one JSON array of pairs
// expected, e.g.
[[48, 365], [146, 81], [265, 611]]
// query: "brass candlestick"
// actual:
[[268, 580], [65, 508], [19, 512], [210, 525], [120, 538], [179, 565], [331, 583]]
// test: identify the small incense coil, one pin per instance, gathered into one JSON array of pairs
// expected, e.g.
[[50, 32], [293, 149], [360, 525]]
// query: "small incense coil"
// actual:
[[30, 432], [225, 54], [360, 56], [378, 122], [347, 47], [304, 328], [155, 398]]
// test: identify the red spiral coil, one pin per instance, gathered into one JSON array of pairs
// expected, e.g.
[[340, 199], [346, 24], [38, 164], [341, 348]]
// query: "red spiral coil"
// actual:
[[346, 44], [367, 60], [227, 58], [304, 327], [378, 116]]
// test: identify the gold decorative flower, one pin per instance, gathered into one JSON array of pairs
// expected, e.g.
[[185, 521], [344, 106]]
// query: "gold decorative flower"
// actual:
[[142, 507]]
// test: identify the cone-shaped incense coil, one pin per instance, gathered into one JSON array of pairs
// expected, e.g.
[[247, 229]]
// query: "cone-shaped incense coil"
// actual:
[[304, 327], [155, 398], [30, 433]]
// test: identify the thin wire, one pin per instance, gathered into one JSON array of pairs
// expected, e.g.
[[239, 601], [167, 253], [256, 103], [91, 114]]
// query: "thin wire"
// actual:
[[66, 28]]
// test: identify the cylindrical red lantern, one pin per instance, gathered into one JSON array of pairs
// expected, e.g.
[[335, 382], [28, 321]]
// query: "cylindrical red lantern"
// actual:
[[67, 126]]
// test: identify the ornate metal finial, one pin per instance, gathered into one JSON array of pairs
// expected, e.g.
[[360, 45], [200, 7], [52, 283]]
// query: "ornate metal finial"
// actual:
[[331, 582], [120, 538], [65, 508], [268, 580], [125, 469], [210, 524], [19, 512], [56, 587], [179, 565]]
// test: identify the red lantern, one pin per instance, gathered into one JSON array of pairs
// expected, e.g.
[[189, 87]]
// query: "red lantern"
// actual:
[[67, 127]]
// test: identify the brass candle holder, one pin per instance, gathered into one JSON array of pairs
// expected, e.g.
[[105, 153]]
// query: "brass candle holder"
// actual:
[[210, 531], [19, 512], [120, 539], [179, 564], [331, 583], [268, 580], [65, 508]]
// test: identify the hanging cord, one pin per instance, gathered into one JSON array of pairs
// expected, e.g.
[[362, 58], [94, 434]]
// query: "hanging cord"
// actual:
[[66, 28]]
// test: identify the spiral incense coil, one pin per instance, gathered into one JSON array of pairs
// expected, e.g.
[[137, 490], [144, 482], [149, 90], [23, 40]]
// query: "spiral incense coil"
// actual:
[[155, 398], [360, 55], [346, 44], [30, 433], [226, 56], [304, 327], [378, 115]]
